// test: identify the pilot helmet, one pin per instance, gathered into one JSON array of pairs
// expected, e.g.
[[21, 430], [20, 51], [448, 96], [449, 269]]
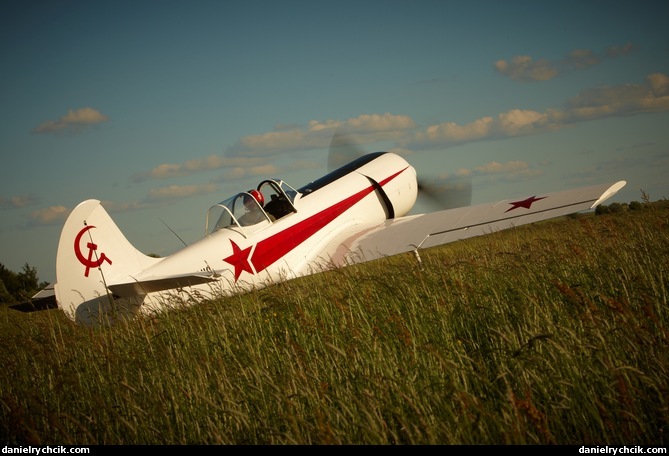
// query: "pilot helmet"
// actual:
[[257, 195]]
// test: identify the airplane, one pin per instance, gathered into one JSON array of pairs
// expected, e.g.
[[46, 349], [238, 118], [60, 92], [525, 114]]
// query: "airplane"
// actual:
[[274, 232]]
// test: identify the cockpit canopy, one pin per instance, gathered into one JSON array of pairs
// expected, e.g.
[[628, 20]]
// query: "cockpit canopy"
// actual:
[[244, 211]]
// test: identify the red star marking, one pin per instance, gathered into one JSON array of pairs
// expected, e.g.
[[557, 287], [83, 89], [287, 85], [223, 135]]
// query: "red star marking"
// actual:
[[526, 203], [239, 259]]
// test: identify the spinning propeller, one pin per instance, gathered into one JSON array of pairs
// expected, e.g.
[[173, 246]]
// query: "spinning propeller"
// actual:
[[445, 193]]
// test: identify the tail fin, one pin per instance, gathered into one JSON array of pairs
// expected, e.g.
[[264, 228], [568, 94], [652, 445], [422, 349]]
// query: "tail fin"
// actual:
[[92, 254]]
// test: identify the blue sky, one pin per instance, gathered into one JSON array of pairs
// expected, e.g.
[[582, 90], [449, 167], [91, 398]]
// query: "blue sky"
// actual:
[[160, 109]]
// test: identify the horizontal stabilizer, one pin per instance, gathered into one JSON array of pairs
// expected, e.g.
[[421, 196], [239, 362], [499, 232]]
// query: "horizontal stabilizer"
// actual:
[[45, 299], [129, 289]]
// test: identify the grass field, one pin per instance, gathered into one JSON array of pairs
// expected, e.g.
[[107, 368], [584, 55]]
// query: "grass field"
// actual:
[[552, 333]]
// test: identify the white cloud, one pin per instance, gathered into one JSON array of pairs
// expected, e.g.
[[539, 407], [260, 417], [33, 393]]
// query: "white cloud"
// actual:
[[374, 123], [516, 122], [520, 122], [168, 170], [53, 215], [659, 84], [620, 100], [181, 191], [616, 51], [523, 68], [582, 58], [14, 202], [512, 171], [73, 121], [496, 168], [274, 142], [452, 133], [364, 129], [253, 171]]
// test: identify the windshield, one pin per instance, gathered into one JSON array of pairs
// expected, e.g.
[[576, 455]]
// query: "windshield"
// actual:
[[219, 216], [241, 210]]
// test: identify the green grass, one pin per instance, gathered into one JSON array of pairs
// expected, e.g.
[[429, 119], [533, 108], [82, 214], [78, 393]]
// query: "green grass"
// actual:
[[553, 333]]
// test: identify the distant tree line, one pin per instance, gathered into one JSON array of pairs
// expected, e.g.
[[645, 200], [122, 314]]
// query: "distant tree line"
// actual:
[[17, 287], [615, 208]]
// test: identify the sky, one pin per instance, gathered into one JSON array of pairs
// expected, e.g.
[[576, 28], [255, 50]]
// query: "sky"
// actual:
[[161, 109]]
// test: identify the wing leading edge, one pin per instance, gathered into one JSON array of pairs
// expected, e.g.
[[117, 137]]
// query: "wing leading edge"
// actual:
[[428, 230]]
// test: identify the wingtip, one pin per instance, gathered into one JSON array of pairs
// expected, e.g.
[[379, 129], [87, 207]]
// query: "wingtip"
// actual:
[[612, 190]]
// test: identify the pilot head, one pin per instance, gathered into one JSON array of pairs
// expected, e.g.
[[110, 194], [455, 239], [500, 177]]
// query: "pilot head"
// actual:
[[248, 202]]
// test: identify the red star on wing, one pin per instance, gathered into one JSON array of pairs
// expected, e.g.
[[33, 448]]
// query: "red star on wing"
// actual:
[[526, 203], [239, 259]]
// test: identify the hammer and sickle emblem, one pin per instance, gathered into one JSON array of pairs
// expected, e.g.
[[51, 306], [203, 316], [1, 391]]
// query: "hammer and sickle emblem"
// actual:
[[88, 262]]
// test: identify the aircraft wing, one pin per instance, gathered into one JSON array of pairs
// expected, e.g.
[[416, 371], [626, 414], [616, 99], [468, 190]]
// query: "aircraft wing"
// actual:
[[427, 230]]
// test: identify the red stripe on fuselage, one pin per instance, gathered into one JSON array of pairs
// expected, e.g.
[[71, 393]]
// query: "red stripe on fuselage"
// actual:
[[268, 251]]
